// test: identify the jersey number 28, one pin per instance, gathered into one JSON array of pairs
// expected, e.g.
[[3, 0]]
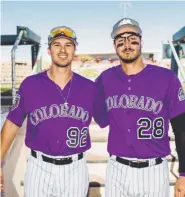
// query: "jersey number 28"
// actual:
[[157, 127]]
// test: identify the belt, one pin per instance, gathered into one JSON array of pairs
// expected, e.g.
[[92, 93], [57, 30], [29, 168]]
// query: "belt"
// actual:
[[61, 161], [136, 164]]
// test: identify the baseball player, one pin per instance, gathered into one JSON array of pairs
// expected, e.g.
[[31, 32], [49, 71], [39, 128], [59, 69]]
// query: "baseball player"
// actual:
[[141, 100], [59, 105]]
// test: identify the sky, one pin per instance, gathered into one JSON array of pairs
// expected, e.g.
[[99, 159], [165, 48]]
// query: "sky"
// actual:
[[92, 21]]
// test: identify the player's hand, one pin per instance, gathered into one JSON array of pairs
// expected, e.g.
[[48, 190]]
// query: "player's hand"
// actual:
[[180, 187]]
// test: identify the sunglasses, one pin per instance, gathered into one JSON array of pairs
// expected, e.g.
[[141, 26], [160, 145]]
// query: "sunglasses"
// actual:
[[62, 31]]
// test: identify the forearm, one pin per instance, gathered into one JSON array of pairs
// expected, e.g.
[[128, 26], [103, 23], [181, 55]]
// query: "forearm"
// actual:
[[178, 125], [180, 147], [8, 133]]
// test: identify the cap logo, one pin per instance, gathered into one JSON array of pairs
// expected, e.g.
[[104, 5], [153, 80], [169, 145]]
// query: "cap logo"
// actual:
[[125, 22]]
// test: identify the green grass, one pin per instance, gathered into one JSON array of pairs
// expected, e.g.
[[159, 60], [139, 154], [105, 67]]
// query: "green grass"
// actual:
[[89, 73], [7, 87]]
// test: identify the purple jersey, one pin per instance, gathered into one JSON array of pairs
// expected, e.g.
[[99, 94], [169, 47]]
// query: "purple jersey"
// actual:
[[139, 109], [52, 127]]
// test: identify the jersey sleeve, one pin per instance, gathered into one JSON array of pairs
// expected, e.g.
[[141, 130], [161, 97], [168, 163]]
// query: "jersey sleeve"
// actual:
[[100, 111], [17, 112], [176, 98]]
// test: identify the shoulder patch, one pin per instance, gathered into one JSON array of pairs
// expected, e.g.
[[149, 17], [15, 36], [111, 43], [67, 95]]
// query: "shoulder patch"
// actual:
[[16, 101], [181, 94]]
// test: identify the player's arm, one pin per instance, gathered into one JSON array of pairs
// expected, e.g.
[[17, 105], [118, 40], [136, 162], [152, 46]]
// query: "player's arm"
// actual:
[[176, 100], [178, 125], [8, 133], [13, 121], [100, 111]]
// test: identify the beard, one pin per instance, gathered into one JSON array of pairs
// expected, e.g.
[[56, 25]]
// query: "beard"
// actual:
[[129, 60]]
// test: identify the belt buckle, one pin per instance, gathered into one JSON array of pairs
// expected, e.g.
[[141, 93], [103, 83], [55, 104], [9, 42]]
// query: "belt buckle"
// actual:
[[132, 163], [135, 163], [54, 161]]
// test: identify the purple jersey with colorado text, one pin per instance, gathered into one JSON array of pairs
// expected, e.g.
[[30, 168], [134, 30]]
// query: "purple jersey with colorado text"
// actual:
[[52, 127], [139, 109]]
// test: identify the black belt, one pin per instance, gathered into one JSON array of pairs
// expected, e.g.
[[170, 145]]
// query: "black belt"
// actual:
[[61, 161], [136, 164]]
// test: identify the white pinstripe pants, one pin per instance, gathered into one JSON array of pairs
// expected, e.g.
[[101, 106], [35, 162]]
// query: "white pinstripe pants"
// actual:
[[44, 179], [126, 181]]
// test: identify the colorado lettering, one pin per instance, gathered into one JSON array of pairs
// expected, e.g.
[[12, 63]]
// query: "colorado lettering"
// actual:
[[132, 101], [55, 111]]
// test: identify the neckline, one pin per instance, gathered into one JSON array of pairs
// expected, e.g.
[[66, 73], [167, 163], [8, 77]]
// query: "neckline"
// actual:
[[62, 89], [121, 73]]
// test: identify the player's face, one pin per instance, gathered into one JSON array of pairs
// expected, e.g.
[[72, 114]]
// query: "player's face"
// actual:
[[128, 46], [62, 52]]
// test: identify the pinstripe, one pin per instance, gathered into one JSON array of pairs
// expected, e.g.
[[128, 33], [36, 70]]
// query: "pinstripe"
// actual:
[[137, 174], [73, 179], [87, 179], [82, 179], [48, 175], [159, 182], [115, 175], [40, 182], [112, 176], [134, 178], [78, 179], [109, 178], [65, 181], [163, 188], [38, 175], [75, 174], [78, 175], [119, 180], [167, 179], [125, 170], [122, 189], [35, 181], [60, 177], [69, 181], [154, 177], [128, 188], [143, 182], [106, 180], [30, 176], [164, 180], [125, 175], [45, 182], [149, 181]]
